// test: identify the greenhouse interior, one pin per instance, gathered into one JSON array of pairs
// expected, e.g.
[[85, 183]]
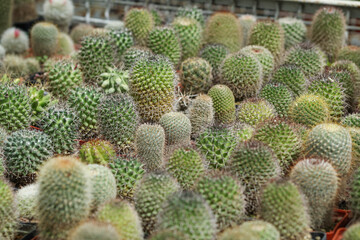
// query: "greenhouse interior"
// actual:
[[179, 120]]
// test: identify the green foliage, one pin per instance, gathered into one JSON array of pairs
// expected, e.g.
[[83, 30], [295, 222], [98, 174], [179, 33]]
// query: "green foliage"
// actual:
[[279, 96], [294, 30], [223, 103], [97, 151], [44, 39], [140, 22], [201, 114], [214, 54], [92, 230], [292, 77], [8, 214], [196, 76], [254, 111]]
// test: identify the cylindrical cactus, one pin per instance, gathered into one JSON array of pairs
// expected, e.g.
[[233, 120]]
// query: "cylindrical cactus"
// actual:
[[294, 30], [140, 22], [214, 54], [177, 127], [92, 230], [201, 114], [224, 104], [8, 213], [44, 39], [279, 95], [196, 75], [254, 111]]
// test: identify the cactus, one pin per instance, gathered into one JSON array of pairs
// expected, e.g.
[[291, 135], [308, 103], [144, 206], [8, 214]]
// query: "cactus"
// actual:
[[80, 31], [281, 199], [59, 12], [189, 214], [189, 32], [251, 230], [196, 75], [26, 201], [243, 73], [355, 137], [283, 138], [2, 53], [118, 112], [353, 232], [167, 235], [127, 174], [131, 56], [201, 114], [254, 164], [140, 22], [177, 127], [350, 53], [292, 77], [155, 96], [15, 41], [97, 152], [308, 57], [186, 166], [115, 25], [150, 145], [351, 120], [24, 153], [279, 96], [8, 213], [224, 28], [6, 15], [40, 101], [157, 17], [44, 39], [92, 230], [319, 182], [246, 21], [346, 80], [354, 195], [265, 58], [124, 218], [15, 109], [223, 103], [309, 109], [270, 35], [65, 45], [254, 111], [61, 125], [3, 136], [294, 30], [225, 197], [328, 30], [123, 40], [214, 54], [193, 13], [114, 81], [64, 196], [150, 195], [32, 65], [15, 66], [332, 142]]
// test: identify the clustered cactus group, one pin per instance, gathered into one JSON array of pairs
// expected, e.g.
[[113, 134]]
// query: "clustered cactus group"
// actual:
[[220, 128]]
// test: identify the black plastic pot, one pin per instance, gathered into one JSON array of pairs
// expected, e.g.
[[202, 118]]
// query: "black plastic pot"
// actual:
[[318, 235], [28, 230]]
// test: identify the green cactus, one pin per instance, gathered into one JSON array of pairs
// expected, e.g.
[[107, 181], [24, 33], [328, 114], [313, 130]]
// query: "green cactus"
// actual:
[[225, 197], [254, 164], [8, 213], [59, 12], [186, 166], [294, 30], [196, 75], [3, 136], [64, 196], [214, 54], [15, 66], [26, 201], [40, 101], [319, 182], [247, 21], [150, 145], [350, 53], [193, 13], [6, 14], [150, 195], [24, 152], [114, 81], [354, 195], [201, 114], [123, 40], [279, 96], [167, 235], [254, 111], [155, 96], [177, 127], [66, 45], [44, 39], [32, 65], [353, 232], [283, 138], [127, 174], [355, 137], [328, 30], [117, 120], [351, 120], [97, 151], [224, 28], [131, 55], [242, 73], [15, 109], [140, 22], [332, 142], [292, 77], [124, 218], [92, 230], [223, 103], [80, 31], [15, 41], [157, 17], [346, 80], [115, 25]]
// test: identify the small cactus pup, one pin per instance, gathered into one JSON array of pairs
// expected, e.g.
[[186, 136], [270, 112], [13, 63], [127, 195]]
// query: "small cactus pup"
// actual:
[[80, 31], [189, 32], [194, 13], [294, 30], [117, 120], [59, 12], [224, 194], [281, 199], [44, 39], [292, 77], [279, 95], [15, 109], [26, 201], [150, 195], [246, 21], [103, 185], [150, 145], [243, 73], [114, 81], [328, 30], [131, 56], [6, 14], [127, 172], [254, 164], [40, 101], [350, 53], [224, 28], [268, 34], [332, 142], [186, 166], [201, 114], [319, 182], [123, 217], [309, 109], [177, 127], [155, 96], [251, 230], [64, 196], [97, 151], [24, 151], [223, 103], [66, 45], [8, 213], [196, 76], [140, 22], [214, 54], [353, 232], [15, 41], [188, 213], [92, 230], [254, 111]]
